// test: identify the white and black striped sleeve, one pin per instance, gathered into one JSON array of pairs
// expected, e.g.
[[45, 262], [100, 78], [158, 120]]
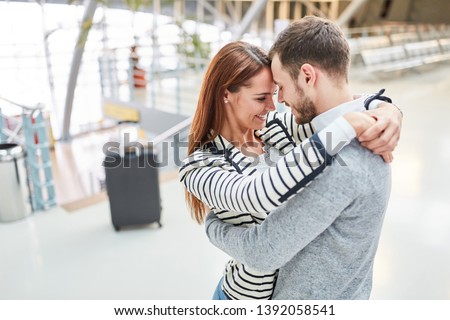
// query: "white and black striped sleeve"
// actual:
[[298, 132], [208, 179]]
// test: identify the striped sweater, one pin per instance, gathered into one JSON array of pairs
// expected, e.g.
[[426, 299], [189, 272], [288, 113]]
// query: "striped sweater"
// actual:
[[228, 183]]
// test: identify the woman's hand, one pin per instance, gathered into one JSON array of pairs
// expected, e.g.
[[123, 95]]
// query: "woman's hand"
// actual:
[[361, 122], [384, 136]]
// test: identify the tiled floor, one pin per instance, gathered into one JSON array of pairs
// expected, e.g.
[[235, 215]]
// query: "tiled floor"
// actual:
[[78, 255], [60, 255]]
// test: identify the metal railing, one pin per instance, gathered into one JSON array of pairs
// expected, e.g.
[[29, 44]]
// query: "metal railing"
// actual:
[[173, 133], [172, 87], [30, 130]]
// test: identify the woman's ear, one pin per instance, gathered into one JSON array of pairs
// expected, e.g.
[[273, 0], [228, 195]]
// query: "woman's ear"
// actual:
[[226, 96], [229, 97]]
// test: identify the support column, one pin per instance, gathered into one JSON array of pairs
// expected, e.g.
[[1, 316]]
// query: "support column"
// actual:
[[270, 17], [91, 6], [323, 6], [284, 10], [179, 10], [238, 9], [154, 72], [220, 9], [297, 10], [334, 10], [200, 12]]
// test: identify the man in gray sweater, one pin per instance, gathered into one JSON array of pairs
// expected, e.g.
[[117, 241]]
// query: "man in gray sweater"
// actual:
[[324, 240]]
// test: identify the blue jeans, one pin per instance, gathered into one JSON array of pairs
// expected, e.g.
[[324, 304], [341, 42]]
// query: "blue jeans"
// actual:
[[219, 294]]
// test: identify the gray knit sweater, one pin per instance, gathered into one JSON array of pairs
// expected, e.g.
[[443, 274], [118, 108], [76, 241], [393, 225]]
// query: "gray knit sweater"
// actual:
[[324, 240]]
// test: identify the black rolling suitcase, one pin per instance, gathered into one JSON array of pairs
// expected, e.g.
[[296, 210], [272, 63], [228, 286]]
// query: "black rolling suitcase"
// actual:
[[133, 189]]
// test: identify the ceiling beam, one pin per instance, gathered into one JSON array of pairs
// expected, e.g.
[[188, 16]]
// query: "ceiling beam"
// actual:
[[252, 13], [349, 12]]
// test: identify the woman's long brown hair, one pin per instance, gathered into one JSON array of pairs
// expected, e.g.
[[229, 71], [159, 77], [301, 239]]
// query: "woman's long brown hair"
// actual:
[[231, 68]]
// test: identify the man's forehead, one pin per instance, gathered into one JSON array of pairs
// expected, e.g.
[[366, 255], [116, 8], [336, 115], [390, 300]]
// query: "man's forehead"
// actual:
[[278, 74], [277, 70]]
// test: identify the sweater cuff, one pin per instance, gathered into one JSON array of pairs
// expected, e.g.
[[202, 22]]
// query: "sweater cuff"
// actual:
[[336, 135], [372, 101], [374, 104]]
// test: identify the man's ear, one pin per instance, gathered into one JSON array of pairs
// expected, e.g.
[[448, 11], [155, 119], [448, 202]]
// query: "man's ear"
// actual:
[[308, 74]]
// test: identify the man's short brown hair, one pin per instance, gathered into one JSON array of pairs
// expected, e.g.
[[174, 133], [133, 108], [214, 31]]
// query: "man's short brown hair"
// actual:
[[317, 41]]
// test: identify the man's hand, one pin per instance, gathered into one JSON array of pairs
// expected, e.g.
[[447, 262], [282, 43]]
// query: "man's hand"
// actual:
[[383, 136]]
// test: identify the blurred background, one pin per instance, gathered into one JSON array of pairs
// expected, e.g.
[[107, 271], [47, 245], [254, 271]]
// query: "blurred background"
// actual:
[[83, 80]]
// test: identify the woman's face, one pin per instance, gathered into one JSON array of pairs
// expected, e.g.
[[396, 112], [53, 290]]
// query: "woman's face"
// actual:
[[248, 108]]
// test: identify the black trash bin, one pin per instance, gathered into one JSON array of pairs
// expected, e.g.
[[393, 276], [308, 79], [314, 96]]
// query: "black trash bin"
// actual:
[[132, 185], [14, 191]]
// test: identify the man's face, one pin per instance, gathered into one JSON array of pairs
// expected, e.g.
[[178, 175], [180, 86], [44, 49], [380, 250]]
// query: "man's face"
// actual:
[[291, 94]]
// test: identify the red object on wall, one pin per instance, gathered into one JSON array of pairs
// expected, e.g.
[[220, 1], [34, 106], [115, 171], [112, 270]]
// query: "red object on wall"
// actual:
[[139, 78]]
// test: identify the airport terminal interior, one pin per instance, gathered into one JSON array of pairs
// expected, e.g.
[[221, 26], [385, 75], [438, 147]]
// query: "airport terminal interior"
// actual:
[[78, 80]]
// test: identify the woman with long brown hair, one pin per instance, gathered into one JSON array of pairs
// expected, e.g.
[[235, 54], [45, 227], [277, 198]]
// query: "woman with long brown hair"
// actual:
[[245, 159]]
